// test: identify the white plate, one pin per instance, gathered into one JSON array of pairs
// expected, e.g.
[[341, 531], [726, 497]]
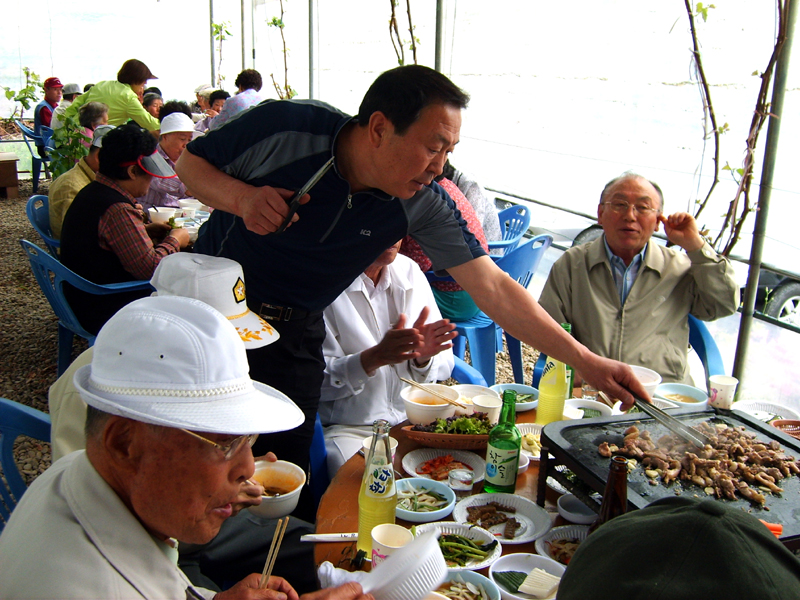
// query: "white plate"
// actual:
[[580, 403], [567, 532], [416, 457], [530, 428], [765, 411], [525, 563], [535, 520], [478, 534]]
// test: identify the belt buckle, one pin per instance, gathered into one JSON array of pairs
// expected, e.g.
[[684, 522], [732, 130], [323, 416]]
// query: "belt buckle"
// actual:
[[271, 312]]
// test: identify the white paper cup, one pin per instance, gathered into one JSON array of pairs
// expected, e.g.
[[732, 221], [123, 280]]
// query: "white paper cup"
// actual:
[[722, 389], [162, 215], [489, 405], [367, 443], [386, 539]]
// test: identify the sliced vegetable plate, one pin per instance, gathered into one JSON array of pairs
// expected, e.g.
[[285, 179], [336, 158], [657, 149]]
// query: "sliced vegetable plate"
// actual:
[[535, 520], [416, 458], [476, 534]]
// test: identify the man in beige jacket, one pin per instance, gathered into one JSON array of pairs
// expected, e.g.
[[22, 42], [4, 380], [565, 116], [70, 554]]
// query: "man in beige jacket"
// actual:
[[629, 298]]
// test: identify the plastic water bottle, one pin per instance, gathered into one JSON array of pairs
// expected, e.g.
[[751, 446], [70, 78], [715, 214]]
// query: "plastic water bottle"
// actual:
[[570, 371], [552, 392], [377, 498], [502, 453]]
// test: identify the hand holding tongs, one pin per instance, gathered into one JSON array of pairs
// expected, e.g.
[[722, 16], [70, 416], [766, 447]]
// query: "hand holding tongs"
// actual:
[[674, 425]]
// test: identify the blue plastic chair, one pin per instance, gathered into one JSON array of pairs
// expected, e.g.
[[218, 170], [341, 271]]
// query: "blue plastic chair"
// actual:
[[38, 209], [51, 276], [699, 339], [482, 333], [514, 221], [36, 161], [463, 372], [320, 480], [15, 420]]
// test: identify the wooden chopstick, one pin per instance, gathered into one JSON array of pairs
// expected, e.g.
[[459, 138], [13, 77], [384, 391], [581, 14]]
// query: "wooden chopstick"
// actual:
[[432, 392], [277, 538]]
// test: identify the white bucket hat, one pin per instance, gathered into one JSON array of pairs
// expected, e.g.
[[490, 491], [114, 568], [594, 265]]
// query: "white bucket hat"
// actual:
[[176, 121], [177, 362], [216, 281]]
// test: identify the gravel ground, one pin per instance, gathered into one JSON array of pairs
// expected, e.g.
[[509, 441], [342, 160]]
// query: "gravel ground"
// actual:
[[28, 336]]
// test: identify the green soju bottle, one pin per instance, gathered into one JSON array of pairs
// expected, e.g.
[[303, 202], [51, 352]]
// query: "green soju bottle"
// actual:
[[502, 454]]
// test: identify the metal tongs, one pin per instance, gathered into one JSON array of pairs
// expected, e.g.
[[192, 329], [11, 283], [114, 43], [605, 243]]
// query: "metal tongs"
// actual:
[[677, 427], [294, 203]]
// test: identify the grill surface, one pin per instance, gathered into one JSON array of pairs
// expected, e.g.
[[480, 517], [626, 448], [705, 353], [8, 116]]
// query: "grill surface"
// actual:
[[574, 444]]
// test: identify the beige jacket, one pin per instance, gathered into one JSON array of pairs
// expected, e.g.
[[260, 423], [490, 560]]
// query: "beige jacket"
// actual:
[[652, 329], [63, 191], [72, 537]]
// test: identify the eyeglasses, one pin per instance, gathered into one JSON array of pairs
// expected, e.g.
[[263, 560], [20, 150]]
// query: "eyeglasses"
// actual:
[[230, 449], [623, 207]]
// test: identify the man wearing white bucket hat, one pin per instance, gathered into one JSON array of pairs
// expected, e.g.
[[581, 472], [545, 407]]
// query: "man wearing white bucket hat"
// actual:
[[240, 545], [176, 132], [172, 416]]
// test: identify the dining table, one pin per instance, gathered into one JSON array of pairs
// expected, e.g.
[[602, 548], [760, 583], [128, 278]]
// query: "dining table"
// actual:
[[338, 508]]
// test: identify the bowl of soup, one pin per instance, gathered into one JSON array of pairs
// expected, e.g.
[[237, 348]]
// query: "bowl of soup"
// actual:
[[423, 407], [282, 482], [466, 392], [685, 396]]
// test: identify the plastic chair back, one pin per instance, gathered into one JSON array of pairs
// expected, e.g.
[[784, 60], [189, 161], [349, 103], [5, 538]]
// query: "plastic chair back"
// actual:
[[482, 333], [51, 276], [36, 160], [15, 420], [47, 137], [463, 372], [38, 209], [514, 221], [699, 339]]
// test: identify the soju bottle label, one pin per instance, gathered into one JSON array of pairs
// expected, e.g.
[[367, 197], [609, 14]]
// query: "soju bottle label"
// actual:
[[380, 481], [501, 465]]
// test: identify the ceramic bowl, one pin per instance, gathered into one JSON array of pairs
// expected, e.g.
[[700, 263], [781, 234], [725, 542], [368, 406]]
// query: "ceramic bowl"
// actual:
[[520, 389], [525, 563], [690, 396], [423, 408], [434, 486], [467, 391], [524, 462], [489, 586], [575, 511], [285, 476]]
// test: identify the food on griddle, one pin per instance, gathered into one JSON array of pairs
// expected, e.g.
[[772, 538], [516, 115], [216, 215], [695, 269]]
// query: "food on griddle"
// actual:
[[733, 462], [494, 513], [438, 468]]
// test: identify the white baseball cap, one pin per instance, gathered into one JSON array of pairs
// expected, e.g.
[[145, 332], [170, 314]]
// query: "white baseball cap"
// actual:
[[177, 121], [218, 282], [99, 132], [177, 362]]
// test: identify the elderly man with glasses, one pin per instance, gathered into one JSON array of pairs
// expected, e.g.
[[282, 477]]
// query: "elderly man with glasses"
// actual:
[[629, 298], [169, 429]]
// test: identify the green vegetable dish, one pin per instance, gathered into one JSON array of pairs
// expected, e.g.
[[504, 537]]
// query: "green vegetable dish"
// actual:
[[465, 425], [458, 551], [420, 499], [525, 398], [511, 580]]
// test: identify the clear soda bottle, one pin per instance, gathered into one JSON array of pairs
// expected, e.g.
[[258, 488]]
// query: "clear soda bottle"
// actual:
[[502, 453], [552, 392], [377, 498]]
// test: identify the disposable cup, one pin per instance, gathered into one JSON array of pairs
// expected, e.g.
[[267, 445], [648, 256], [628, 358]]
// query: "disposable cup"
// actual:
[[489, 405], [461, 481], [386, 539], [722, 389]]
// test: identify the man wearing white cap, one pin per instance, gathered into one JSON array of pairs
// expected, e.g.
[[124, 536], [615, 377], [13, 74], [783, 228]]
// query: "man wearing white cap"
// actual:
[[243, 541], [67, 185], [70, 92], [172, 418], [104, 238], [176, 133]]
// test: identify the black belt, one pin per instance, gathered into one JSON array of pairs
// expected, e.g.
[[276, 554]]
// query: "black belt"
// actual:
[[272, 312]]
